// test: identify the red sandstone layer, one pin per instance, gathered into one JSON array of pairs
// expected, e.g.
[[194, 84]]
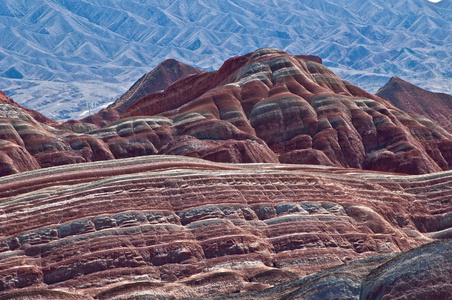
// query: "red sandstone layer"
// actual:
[[180, 227]]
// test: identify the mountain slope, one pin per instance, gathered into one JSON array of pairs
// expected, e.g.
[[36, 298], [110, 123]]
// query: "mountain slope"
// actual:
[[80, 52], [4, 99], [267, 106], [414, 100], [158, 79]]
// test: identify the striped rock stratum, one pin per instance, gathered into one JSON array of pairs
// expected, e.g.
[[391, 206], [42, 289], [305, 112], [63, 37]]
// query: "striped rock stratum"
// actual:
[[270, 178], [178, 227], [264, 107]]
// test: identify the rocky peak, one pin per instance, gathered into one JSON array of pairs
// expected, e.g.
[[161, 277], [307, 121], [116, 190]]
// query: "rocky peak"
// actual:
[[162, 76], [159, 78], [418, 101]]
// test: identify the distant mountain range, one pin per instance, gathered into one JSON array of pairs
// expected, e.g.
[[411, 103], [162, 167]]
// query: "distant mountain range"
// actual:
[[66, 58]]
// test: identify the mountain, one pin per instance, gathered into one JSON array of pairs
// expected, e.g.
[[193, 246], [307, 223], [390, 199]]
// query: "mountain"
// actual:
[[300, 110], [267, 106], [268, 178], [414, 100], [62, 57], [158, 79]]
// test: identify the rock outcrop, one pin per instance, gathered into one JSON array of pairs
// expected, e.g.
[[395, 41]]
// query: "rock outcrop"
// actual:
[[303, 112], [162, 76], [27, 144], [173, 227], [386, 276], [426, 266], [266, 106], [419, 102]]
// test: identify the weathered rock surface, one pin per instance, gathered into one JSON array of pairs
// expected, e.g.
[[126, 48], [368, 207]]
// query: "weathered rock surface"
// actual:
[[27, 144], [143, 208], [162, 76], [417, 101], [173, 227], [422, 273], [303, 112], [266, 106]]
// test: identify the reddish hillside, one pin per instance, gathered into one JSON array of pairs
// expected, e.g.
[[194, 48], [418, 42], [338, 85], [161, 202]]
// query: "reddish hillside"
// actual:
[[301, 110], [414, 100], [158, 79], [89, 213], [266, 106], [169, 227]]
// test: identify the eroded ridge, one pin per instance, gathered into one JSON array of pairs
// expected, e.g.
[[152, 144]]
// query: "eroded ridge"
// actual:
[[184, 227], [267, 106]]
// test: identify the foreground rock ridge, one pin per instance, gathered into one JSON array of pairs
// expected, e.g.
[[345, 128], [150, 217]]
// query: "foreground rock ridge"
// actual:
[[267, 106], [170, 227]]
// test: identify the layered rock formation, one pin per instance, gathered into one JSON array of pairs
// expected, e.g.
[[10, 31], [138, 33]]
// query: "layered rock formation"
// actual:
[[162, 76], [4, 99], [304, 114], [172, 227], [27, 144], [416, 274], [161, 201], [417, 101], [266, 106]]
